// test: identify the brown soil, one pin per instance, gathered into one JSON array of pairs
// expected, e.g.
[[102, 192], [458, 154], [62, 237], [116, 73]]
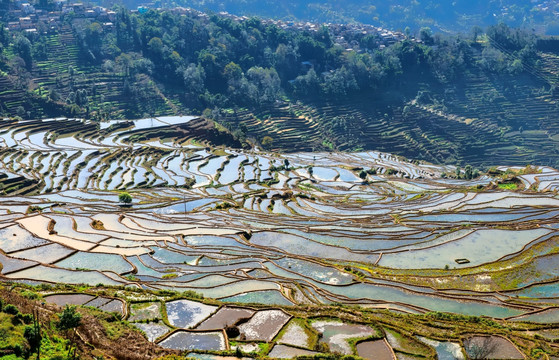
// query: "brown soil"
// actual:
[[50, 227], [92, 339], [204, 130], [377, 350]]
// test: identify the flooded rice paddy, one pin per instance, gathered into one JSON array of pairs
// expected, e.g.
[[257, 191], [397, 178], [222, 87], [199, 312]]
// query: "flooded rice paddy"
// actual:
[[251, 230], [275, 230]]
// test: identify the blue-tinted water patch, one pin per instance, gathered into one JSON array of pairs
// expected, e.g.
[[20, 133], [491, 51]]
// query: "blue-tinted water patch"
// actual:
[[14, 238], [230, 172], [211, 341], [268, 297], [393, 294], [143, 270], [548, 316], [301, 246], [152, 330], [11, 265], [211, 167], [96, 261], [171, 257], [186, 313], [43, 273], [315, 271], [445, 350], [539, 291], [45, 254], [182, 207], [459, 217]]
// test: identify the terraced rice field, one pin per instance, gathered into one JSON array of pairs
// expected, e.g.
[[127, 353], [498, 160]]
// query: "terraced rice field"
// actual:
[[251, 230], [194, 326]]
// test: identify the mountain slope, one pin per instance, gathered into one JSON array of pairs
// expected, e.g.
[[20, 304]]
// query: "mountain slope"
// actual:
[[444, 99]]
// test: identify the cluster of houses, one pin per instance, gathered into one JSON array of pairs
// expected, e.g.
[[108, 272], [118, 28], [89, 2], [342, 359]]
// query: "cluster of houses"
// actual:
[[342, 32], [25, 17], [545, 5]]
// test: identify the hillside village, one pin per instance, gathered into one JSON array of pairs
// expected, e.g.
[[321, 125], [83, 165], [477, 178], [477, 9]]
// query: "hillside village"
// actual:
[[26, 17]]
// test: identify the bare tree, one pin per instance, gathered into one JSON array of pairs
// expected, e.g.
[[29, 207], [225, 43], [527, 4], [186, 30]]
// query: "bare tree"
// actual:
[[480, 347]]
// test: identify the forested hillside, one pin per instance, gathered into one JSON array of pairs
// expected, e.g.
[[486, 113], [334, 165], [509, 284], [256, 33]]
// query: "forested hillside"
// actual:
[[486, 95]]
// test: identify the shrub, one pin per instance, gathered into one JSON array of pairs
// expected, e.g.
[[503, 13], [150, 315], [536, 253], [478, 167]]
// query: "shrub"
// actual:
[[124, 198], [34, 208], [232, 331], [11, 309], [33, 336], [97, 225], [18, 350], [69, 318], [27, 318], [30, 295]]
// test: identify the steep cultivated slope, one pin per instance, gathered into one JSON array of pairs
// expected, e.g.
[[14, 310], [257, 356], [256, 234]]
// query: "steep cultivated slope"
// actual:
[[479, 117]]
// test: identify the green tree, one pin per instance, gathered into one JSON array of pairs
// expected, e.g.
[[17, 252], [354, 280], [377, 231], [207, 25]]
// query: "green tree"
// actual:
[[124, 62], [69, 318], [33, 336], [232, 71], [155, 46], [267, 141], [307, 85], [468, 172], [458, 172], [340, 82], [81, 97], [194, 77], [4, 37], [264, 85], [54, 95], [22, 46], [237, 84], [426, 35], [125, 198], [11, 309], [93, 39], [476, 32]]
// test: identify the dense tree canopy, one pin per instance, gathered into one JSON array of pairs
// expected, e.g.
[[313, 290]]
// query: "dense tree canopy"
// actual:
[[219, 61], [216, 61]]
